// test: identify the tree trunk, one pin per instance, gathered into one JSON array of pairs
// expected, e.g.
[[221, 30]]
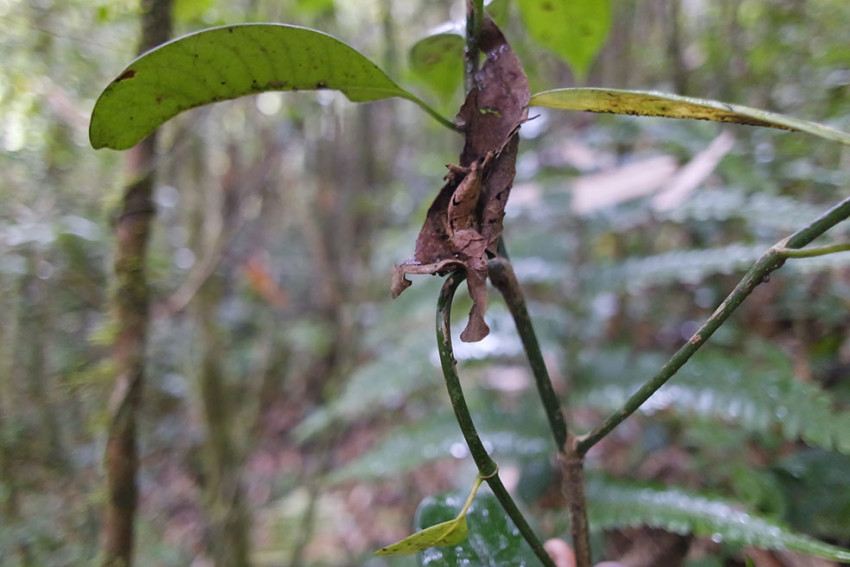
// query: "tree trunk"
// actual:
[[131, 316], [228, 518]]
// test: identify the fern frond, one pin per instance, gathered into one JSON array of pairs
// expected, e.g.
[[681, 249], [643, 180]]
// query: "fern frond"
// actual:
[[684, 266], [760, 396], [396, 374], [775, 212], [619, 505], [404, 448]]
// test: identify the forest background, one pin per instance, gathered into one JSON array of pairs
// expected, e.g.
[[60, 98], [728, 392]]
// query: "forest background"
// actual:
[[290, 401]]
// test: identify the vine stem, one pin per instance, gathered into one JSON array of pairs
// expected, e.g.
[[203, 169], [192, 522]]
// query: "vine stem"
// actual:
[[770, 261], [487, 467], [503, 277], [433, 112], [571, 462]]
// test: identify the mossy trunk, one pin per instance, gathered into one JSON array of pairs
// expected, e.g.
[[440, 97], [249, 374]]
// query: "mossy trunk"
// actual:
[[133, 228]]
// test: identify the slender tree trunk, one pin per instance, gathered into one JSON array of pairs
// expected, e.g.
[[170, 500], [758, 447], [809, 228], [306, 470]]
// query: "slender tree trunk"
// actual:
[[227, 516], [131, 316]]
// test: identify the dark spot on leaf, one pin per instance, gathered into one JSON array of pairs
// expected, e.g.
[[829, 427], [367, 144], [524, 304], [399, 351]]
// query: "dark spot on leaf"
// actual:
[[229, 30], [547, 7], [223, 83], [321, 85], [128, 74]]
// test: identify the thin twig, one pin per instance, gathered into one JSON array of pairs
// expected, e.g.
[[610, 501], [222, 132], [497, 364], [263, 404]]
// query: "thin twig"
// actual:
[[813, 252], [487, 467], [571, 462], [772, 260], [503, 277], [433, 113]]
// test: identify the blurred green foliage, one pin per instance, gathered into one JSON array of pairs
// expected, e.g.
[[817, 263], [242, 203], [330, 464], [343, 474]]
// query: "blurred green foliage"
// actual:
[[337, 387]]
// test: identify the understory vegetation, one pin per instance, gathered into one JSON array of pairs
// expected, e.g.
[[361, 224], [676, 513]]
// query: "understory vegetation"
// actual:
[[294, 414]]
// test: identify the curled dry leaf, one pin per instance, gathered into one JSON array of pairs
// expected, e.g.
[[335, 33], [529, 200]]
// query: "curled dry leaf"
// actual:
[[464, 223]]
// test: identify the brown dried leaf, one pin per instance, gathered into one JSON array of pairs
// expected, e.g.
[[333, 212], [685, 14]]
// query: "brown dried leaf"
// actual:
[[464, 223]]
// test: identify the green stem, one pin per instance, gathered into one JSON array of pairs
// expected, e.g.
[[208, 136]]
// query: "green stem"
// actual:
[[572, 463], [813, 252], [503, 277], [487, 467], [433, 113], [475, 486], [772, 260]]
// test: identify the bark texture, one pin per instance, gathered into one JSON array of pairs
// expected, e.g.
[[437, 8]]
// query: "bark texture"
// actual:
[[132, 317]]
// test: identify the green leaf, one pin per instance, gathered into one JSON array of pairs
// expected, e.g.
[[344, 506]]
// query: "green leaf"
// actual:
[[437, 61], [451, 532], [229, 62], [573, 29], [187, 10], [493, 539], [645, 103], [618, 505], [499, 10]]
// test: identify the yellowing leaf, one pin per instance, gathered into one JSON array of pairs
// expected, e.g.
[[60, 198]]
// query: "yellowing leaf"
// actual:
[[645, 103], [452, 532]]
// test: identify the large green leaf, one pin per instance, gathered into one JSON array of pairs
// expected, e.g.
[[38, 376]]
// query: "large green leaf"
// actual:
[[229, 62], [618, 505], [645, 103], [492, 539], [573, 29]]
